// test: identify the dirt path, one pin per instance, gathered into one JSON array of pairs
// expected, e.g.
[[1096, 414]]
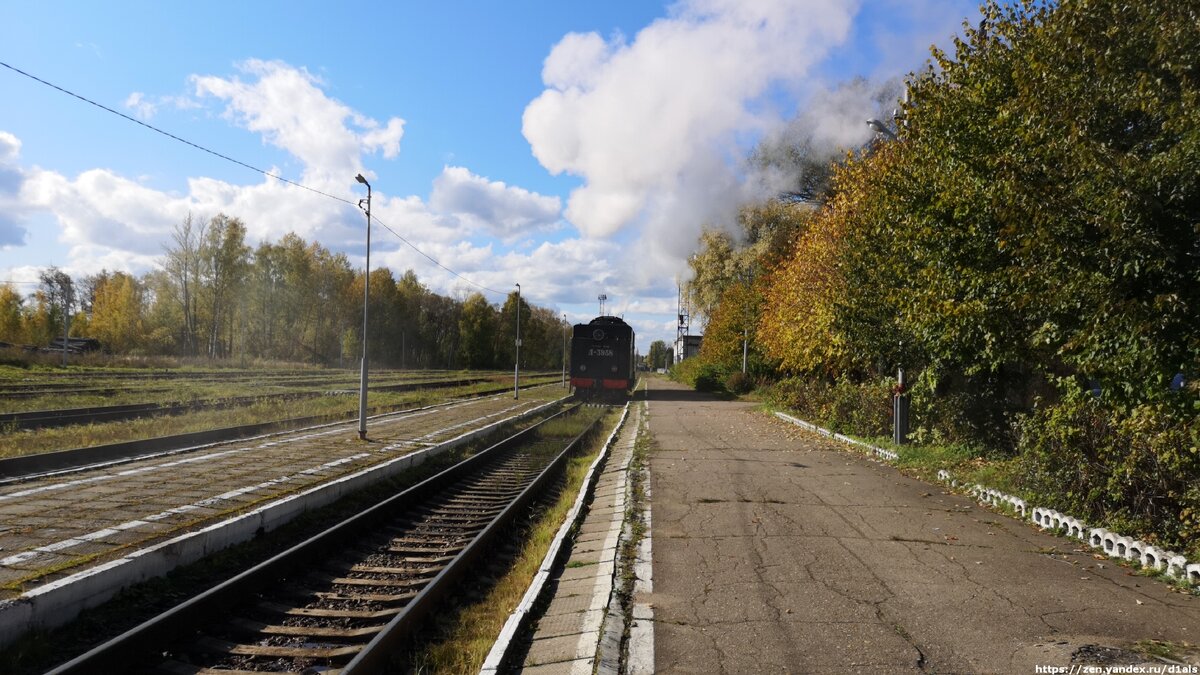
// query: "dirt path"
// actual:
[[775, 551]]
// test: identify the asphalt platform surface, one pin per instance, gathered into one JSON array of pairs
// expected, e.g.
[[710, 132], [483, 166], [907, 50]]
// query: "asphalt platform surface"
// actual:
[[778, 551]]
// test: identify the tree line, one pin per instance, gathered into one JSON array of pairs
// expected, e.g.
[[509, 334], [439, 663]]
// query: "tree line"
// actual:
[[215, 296], [1026, 248]]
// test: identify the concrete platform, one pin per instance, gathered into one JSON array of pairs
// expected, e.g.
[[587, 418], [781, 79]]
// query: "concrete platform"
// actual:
[[777, 550]]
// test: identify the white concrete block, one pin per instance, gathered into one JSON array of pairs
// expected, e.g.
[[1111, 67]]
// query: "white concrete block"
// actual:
[[1135, 550], [1153, 557], [1110, 543], [1054, 517], [1176, 564], [1123, 545], [1038, 514], [1076, 528], [1096, 537], [943, 475], [1193, 573]]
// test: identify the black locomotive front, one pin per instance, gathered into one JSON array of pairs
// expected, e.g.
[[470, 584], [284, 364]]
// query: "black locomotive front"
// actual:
[[602, 359]]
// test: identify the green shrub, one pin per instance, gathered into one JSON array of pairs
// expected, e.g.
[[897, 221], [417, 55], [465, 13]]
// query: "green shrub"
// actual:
[[1136, 470], [845, 406], [708, 378], [738, 382]]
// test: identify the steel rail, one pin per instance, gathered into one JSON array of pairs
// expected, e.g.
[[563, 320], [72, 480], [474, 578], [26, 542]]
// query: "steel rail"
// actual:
[[180, 622]]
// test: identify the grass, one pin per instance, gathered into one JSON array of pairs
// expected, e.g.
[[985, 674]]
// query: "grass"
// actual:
[[1178, 652], [117, 389], [466, 635], [14, 442]]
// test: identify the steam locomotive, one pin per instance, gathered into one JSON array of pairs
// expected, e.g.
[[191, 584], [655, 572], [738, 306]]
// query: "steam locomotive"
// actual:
[[602, 359]]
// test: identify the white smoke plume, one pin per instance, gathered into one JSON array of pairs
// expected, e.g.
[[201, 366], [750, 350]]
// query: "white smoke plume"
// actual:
[[656, 127]]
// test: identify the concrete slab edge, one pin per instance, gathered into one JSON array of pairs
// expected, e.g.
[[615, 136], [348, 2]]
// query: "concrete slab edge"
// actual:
[[519, 618], [58, 602], [612, 631], [1111, 544]]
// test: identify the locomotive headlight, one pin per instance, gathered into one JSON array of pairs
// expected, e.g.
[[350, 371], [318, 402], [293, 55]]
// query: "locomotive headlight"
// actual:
[[614, 369], [583, 367]]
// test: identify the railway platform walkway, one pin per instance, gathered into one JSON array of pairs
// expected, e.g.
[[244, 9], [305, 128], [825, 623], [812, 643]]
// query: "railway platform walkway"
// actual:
[[775, 551]]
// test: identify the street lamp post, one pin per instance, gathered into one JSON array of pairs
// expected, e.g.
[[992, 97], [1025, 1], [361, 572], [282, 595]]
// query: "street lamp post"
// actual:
[[566, 327], [900, 399], [362, 386], [881, 129], [517, 365]]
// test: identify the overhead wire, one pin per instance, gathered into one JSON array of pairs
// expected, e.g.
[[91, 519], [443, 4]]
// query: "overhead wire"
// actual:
[[240, 163], [432, 260]]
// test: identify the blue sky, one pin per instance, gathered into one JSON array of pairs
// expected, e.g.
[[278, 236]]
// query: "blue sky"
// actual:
[[574, 148]]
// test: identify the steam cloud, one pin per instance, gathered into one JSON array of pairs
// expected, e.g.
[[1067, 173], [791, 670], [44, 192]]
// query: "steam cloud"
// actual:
[[653, 126]]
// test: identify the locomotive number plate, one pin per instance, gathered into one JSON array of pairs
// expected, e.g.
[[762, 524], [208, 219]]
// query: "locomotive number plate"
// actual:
[[594, 351]]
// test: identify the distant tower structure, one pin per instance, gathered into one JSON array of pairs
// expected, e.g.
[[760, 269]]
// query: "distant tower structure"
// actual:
[[686, 344], [602, 297]]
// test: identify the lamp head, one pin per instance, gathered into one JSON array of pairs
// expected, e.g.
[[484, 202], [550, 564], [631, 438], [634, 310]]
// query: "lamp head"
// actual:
[[362, 180]]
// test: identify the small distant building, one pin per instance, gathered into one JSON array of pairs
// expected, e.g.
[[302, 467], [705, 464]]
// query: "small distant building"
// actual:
[[687, 346]]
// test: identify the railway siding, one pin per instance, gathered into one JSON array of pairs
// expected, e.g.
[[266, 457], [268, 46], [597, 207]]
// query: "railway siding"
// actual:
[[115, 526]]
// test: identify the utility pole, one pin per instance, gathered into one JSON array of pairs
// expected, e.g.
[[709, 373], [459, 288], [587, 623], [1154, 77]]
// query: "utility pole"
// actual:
[[362, 386], [744, 334], [517, 365]]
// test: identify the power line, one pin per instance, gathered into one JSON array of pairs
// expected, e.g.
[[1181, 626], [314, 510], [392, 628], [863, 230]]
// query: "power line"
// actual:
[[241, 164], [173, 136], [430, 259]]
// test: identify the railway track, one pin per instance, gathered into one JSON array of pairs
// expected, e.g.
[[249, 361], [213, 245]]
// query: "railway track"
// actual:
[[32, 465], [344, 600], [106, 385], [40, 419]]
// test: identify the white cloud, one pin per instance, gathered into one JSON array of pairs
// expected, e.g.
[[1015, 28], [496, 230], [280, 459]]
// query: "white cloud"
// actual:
[[146, 107], [287, 106], [492, 206], [141, 107], [652, 125], [12, 212], [10, 148]]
